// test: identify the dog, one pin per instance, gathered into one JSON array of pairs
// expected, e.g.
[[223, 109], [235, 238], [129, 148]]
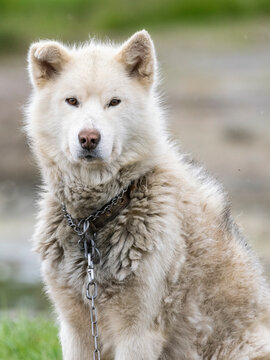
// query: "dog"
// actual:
[[168, 274]]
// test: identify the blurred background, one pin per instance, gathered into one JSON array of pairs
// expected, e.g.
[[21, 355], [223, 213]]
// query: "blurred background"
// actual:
[[214, 58]]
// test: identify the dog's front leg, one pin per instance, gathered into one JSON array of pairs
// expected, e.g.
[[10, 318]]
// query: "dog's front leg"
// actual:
[[74, 317], [75, 341], [146, 346]]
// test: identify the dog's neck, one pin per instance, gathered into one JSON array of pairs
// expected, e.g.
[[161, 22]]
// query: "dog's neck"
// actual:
[[83, 198]]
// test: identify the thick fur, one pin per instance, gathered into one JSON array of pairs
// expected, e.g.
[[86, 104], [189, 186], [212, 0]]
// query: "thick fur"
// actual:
[[177, 281]]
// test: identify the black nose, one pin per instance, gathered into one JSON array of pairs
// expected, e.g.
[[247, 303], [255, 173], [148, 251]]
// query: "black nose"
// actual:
[[89, 139]]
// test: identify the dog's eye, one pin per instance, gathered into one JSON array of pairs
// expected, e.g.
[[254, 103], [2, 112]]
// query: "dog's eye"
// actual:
[[114, 102], [72, 101]]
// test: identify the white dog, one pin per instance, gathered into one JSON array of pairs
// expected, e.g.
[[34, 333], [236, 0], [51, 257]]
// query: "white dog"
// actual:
[[174, 277]]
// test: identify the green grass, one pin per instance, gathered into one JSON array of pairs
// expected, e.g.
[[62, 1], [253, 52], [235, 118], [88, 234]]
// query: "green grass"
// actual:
[[21, 336], [23, 21], [28, 339]]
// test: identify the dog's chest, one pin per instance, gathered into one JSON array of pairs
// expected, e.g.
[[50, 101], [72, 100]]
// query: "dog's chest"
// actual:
[[122, 245]]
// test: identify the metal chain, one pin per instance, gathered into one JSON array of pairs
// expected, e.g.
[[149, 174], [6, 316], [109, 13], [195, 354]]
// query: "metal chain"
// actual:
[[78, 227], [88, 244], [90, 251]]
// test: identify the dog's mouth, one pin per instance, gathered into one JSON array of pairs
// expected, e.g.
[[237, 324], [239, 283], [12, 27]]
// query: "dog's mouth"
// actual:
[[89, 156]]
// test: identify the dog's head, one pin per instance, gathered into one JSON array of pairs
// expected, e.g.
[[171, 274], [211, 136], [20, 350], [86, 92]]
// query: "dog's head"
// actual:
[[92, 104]]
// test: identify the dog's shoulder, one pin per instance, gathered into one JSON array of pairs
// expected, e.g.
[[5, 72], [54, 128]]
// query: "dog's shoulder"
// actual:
[[50, 223]]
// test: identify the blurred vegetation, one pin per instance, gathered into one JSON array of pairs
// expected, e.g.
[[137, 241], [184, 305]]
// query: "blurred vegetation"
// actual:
[[28, 338], [23, 21], [26, 296]]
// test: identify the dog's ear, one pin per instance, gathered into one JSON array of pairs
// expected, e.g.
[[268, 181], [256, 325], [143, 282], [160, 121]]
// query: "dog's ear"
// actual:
[[46, 59], [137, 54]]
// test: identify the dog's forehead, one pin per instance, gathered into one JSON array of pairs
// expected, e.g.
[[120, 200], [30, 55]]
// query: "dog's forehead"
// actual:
[[94, 67]]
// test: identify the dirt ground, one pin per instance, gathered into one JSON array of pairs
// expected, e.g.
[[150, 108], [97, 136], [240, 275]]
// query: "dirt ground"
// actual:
[[216, 88]]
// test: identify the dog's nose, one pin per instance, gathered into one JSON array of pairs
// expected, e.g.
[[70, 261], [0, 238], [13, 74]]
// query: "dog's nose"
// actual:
[[89, 139]]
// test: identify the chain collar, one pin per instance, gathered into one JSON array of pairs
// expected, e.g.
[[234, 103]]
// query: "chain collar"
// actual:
[[106, 210]]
